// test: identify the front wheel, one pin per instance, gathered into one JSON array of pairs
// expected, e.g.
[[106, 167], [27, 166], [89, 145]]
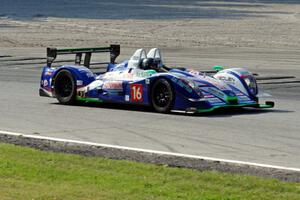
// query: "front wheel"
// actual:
[[162, 96], [65, 87]]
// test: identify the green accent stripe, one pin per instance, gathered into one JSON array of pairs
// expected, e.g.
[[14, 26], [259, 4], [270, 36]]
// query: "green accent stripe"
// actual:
[[265, 106], [254, 105], [89, 99]]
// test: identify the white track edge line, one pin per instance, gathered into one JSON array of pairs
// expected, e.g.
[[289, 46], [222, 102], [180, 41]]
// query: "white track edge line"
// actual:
[[153, 151]]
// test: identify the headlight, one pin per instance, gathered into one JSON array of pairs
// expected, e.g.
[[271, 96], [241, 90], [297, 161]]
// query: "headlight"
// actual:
[[192, 86], [195, 87], [191, 83], [251, 83], [248, 82]]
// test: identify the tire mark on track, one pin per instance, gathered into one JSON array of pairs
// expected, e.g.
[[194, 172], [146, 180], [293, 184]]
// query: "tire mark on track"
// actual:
[[191, 138], [149, 138], [195, 139]]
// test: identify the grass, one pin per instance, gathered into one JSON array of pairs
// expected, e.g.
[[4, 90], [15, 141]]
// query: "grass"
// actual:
[[27, 173]]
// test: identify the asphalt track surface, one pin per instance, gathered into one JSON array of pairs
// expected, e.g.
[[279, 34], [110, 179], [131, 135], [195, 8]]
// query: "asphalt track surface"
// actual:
[[261, 136]]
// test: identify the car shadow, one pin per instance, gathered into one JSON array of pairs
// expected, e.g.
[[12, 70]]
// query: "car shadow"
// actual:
[[241, 111], [221, 112]]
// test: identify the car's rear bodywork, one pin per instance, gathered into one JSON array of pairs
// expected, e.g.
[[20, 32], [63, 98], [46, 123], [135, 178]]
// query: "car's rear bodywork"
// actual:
[[194, 91]]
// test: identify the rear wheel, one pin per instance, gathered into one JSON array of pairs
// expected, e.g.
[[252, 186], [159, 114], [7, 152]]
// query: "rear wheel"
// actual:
[[65, 87], [162, 96]]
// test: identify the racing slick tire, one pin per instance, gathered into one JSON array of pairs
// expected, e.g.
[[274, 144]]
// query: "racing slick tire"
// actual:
[[65, 87], [162, 96]]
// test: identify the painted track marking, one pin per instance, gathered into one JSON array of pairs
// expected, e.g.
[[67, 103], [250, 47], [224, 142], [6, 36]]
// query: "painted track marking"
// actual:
[[153, 151]]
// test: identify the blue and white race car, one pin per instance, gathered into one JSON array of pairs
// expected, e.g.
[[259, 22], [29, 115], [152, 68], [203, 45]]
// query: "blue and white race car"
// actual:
[[145, 80]]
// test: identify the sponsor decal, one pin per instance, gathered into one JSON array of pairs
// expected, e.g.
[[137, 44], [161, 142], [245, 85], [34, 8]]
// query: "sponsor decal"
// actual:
[[45, 83], [136, 92], [147, 81], [113, 85], [214, 100], [89, 74], [81, 94], [79, 82], [182, 84], [97, 84], [216, 92], [208, 96], [226, 79], [146, 73], [126, 97], [126, 75], [48, 73]]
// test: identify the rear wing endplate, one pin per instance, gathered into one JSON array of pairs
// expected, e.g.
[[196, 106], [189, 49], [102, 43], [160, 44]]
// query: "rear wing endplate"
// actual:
[[113, 49]]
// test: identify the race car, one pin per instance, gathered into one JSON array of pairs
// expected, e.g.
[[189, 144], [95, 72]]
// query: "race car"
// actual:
[[145, 80]]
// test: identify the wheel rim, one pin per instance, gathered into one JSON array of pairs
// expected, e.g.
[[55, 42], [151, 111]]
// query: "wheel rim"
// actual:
[[64, 87], [162, 95]]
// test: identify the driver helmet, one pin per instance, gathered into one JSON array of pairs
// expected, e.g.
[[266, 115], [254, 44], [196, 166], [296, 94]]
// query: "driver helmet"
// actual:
[[150, 63]]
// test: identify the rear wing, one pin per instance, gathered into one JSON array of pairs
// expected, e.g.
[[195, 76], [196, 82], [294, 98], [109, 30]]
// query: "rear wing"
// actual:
[[113, 49]]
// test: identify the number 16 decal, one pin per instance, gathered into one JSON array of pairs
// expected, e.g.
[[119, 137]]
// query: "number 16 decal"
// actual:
[[136, 91]]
